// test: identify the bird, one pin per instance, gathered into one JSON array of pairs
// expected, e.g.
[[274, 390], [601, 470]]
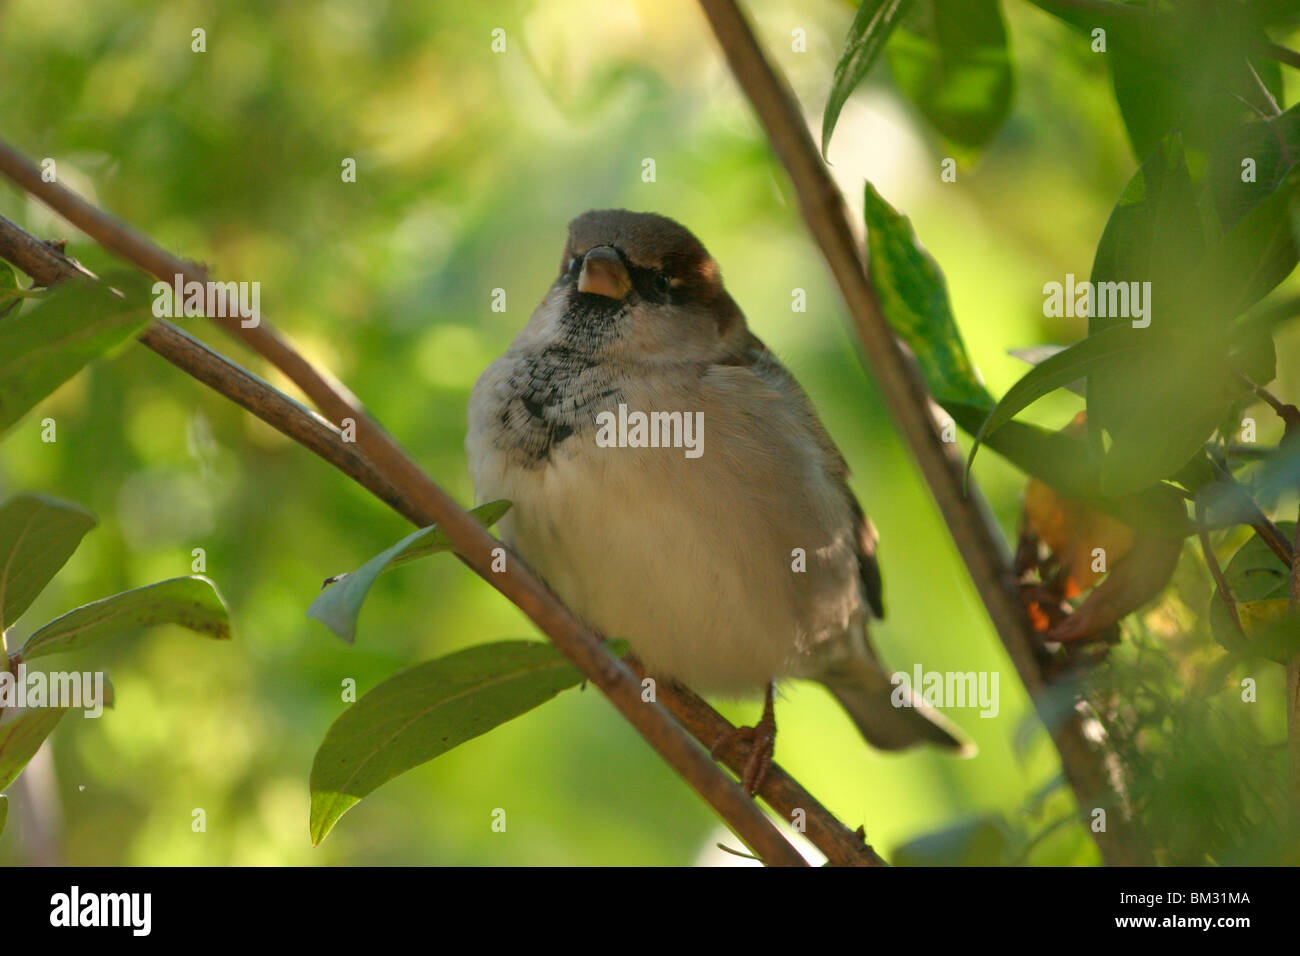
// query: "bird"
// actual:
[[671, 482]]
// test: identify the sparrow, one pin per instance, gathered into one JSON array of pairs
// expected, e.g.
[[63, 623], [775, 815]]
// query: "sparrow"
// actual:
[[673, 485]]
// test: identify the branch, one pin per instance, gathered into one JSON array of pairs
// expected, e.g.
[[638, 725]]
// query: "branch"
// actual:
[[395, 478], [975, 533], [1289, 414], [1280, 53], [782, 792], [1266, 530], [1216, 572]]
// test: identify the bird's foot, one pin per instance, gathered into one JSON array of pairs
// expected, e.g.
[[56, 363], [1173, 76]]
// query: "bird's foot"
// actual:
[[761, 739]]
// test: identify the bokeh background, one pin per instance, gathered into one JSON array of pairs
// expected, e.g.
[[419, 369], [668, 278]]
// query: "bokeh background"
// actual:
[[469, 164]]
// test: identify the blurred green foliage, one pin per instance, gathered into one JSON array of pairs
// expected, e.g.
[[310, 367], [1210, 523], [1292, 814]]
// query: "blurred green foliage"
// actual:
[[469, 164]]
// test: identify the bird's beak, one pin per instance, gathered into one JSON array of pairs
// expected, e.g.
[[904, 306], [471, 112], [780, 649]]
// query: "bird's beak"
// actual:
[[603, 273]]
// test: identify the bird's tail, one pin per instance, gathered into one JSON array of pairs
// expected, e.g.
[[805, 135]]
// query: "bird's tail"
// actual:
[[889, 716]]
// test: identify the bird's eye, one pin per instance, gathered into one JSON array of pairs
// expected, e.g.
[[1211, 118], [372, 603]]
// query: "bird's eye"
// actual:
[[662, 285], [574, 263]]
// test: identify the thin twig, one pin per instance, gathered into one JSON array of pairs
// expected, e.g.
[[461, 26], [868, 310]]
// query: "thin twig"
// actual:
[[429, 505], [1266, 530], [976, 535], [1275, 51], [1273, 110], [1246, 452], [1289, 414], [1216, 572]]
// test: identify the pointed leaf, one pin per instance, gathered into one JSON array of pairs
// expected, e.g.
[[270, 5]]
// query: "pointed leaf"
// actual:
[[37, 535], [1154, 233], [191, 602], [1055, 372], [914, 298], [21, 736], [1254, 255], [1271, 145], [424, 711], [1037, 354], [42, 348], [339, 605], [1187, 390], [874, 22]]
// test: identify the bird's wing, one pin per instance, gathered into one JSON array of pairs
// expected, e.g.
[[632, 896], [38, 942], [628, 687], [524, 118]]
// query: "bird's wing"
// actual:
[[759, 359]]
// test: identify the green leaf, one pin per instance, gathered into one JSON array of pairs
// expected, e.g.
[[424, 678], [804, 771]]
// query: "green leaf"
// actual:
[[914, 298], [4, 812], [1260, 586], [21, 737], [1183, 390], [1258, 212], [1154, 233], [1055, 372], [1275, 631], [982, 841], [77, 321], [339, 605], [950, 58], [37, 535], [421, 713], [1273, 144], [1253, 352], [1255, 255], [190, 602], [871, 27], [1189, 69], [1159, 402], [1255, 573]]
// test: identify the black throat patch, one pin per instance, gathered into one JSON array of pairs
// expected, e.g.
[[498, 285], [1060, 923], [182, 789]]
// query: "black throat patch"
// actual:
[[552, 396]]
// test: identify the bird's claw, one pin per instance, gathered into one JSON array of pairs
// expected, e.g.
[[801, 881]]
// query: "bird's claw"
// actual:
[[761, 739]]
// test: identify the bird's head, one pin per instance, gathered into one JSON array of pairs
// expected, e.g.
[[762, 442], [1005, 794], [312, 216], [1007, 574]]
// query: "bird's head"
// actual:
[[643, 286]]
